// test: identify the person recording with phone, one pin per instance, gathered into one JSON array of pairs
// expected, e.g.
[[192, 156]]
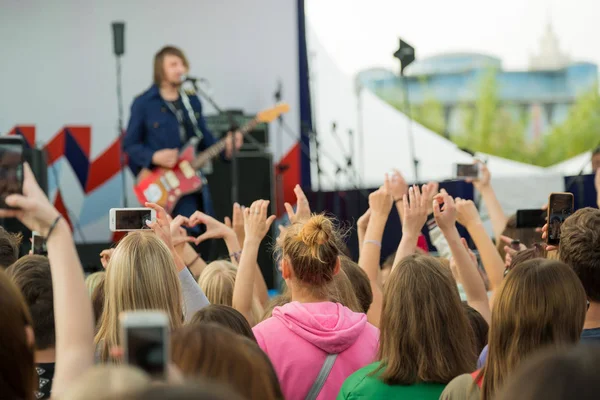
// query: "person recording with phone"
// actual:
[[163, 120]]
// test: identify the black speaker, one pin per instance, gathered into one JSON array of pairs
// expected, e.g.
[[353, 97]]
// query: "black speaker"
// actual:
[[255, 173], [37, 161]]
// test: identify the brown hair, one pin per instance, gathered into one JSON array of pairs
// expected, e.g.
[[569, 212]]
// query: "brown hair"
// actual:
[[312, 250], [340, 290], [479, 327], [159, 59], [540, 303], [216, 353], [200, 389], [555, 375], [580, 248], [421, 311], [98, 297], [17, 373], [535, 251], [9, 247], [225, 316], [32, 276], [360, 283], [527, 236], [277, 301]]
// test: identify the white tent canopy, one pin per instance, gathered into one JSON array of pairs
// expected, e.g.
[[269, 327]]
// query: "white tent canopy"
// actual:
[[574, 165]]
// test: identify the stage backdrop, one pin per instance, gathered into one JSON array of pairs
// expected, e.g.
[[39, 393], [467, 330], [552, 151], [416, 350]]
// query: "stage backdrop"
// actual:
[[59, 82]]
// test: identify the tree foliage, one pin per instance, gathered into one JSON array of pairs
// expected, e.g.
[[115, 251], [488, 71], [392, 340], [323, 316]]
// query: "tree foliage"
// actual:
[[490, 127]]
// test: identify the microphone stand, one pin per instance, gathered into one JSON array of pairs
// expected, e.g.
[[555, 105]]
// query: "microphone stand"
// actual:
[[281, 168], [121, 130]]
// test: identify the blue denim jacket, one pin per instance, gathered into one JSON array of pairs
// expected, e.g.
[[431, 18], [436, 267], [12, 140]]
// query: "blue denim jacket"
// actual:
[[153, 126]]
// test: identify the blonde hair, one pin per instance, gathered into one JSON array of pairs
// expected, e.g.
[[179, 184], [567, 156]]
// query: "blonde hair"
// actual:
[[93, 280], [217, 281], [540, 303], [312, 249], [107, 381], [141, 275]]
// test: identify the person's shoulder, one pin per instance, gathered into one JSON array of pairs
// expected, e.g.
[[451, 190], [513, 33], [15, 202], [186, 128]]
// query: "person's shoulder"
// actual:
[[591, 335], [460, 388], [359, 382], [146, 95]]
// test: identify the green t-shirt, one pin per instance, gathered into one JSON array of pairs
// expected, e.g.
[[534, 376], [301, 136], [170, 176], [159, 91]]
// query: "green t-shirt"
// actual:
[[360, 385]]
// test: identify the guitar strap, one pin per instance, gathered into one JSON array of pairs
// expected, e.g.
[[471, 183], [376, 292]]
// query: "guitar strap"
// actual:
[[188, 107]]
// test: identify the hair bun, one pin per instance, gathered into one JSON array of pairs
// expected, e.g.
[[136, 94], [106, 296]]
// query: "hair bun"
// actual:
[[316, 231]]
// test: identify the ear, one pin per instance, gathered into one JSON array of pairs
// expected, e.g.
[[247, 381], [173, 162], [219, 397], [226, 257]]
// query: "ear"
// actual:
[[338, 266], [30, 336], [286, 269]]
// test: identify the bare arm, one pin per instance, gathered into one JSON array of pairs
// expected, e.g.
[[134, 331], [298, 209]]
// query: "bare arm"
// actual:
[[494, 209], [73, 315], [256, 227], [468, 216]]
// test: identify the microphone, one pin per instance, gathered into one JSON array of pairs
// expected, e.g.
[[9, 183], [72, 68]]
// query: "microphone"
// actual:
[[187, 78]]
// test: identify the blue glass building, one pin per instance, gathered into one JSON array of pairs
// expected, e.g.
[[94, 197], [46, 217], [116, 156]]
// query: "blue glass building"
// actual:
[[542, 94]]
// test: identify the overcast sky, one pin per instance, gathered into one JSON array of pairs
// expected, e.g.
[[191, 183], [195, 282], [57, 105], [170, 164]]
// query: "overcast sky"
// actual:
[[359, 34]]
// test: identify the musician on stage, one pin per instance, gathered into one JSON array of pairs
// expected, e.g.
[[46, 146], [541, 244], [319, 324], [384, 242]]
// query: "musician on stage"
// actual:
[[163, 119]]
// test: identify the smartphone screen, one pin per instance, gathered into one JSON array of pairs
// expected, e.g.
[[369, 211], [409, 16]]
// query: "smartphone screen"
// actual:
[[560, 207], [146, 348], [38, 245], [467, 171], [127, 219], [11, 167], [531, 218]]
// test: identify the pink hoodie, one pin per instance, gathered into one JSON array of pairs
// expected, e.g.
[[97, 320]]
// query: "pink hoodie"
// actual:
[[300, 335]]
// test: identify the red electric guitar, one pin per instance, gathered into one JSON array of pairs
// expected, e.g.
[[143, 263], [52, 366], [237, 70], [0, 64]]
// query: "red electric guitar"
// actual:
[[166, 186]]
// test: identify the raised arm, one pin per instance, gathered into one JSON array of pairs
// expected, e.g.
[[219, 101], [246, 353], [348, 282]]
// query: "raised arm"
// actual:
[[494, 209], [257, 226], [361, 229], [73, 316], [444, 211], [468, 216], [380, 205]]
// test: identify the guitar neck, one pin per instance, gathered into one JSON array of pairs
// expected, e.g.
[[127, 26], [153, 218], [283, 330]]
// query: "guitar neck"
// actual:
[[217, 148]]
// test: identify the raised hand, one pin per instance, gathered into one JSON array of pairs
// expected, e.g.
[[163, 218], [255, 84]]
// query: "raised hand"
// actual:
[[179, 235], [510, 252], [162, 227], [302, 212], [484, 177], [444, 211], [237, 222], [214, 229], [415, 210], [381, 201], [397, 185], [363, 221], [32, 207], [105, 256], [467, 212], [256, 223]]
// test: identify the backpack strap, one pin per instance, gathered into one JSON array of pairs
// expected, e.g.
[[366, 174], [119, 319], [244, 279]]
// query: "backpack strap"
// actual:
[[322, 377]]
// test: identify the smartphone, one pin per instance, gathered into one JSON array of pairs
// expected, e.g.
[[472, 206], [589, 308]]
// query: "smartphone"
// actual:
[[464, 171], [531, 218], [11, 167], [130, 219], [38, 244], [560, 206], [145, 340]]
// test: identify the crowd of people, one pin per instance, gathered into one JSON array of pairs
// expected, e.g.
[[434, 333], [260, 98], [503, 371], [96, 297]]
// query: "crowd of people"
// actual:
[[526, 329]]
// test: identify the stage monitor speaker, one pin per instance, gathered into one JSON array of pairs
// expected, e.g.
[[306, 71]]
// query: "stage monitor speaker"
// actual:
[[37, 161], [255, 173]]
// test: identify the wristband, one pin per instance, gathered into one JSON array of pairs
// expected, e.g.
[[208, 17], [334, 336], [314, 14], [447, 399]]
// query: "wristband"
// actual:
[[53, 226], [375, 242], [236, 256]]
